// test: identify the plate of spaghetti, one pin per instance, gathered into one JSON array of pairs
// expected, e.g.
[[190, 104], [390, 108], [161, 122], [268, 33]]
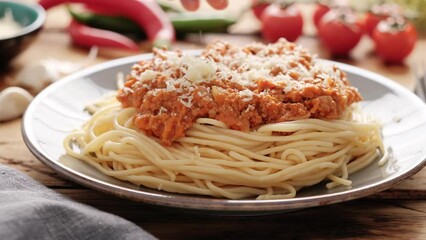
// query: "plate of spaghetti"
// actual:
[[254, 128]]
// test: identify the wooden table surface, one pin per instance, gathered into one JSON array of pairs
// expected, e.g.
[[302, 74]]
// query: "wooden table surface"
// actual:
[[399, 212]]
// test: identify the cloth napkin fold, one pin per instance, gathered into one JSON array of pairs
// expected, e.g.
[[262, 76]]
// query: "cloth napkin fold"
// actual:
[[29, 210]]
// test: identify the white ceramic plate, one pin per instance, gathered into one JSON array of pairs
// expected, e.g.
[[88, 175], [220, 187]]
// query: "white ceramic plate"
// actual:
[[59, 109]]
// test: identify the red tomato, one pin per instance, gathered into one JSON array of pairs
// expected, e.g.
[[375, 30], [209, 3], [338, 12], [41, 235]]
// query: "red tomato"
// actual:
[[370, 22], [339, 31], [278, 22], [320, 11], [394, 41], [378, 13], [258, 6]]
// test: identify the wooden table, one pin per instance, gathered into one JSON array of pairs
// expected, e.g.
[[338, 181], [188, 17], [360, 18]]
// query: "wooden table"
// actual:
[[398, 213]]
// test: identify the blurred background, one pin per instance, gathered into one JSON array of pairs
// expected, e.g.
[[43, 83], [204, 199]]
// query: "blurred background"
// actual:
[[381, 36]]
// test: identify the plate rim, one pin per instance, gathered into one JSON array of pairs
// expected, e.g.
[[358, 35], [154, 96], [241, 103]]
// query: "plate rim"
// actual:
[[201, 203]]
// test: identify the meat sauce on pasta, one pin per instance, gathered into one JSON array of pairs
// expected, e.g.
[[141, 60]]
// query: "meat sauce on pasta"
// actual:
[[243, 87]]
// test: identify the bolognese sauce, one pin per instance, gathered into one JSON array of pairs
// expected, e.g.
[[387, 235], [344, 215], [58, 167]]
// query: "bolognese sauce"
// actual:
[[243, 87]]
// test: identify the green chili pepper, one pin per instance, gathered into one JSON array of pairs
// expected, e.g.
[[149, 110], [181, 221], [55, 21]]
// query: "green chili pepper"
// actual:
[[194, 23], [182, 22], [168, 8]]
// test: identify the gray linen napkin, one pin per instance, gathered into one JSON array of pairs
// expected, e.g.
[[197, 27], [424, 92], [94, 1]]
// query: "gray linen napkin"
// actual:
[[29, 210]]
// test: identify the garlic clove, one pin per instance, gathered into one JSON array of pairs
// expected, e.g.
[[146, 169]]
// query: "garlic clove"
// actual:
[[62, 67], [13, 102], [36, 76]]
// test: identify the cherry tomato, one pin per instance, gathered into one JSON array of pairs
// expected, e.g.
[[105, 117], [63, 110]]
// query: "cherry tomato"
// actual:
[[378, 13], [319, 12], [258, 6], [370, 22], [394, 39], [281, 22], [340, 31]]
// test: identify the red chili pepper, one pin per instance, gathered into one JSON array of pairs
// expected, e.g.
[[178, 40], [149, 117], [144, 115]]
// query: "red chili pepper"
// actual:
[[101, 10], [86, 36], [146, 13]]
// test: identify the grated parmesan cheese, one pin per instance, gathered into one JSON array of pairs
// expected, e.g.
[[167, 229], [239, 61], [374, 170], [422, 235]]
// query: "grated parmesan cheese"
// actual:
[[246, 94], [147, 75], [199, 69], [163, 110]]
